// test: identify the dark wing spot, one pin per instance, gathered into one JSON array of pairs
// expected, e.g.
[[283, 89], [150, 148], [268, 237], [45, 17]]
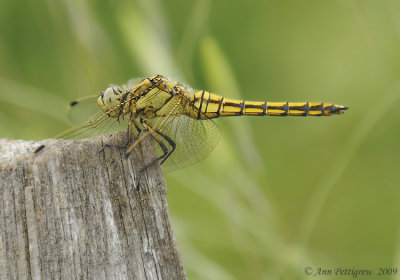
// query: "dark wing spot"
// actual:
[[73, 103]]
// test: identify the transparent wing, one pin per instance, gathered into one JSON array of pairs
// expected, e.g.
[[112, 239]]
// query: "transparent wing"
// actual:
[[194, 139], [97, 124], [82, 109]]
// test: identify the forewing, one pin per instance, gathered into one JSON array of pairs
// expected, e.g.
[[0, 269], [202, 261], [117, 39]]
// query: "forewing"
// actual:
[[97, 124], [83, 109]]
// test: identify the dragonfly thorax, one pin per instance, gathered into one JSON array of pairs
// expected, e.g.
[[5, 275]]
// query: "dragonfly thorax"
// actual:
[[110, 100]]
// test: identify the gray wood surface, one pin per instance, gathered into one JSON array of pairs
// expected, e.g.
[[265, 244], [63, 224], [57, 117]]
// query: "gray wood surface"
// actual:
[[71, 212]]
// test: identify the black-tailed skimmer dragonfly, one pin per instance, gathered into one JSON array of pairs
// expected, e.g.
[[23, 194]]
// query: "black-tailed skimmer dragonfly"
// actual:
[[178, 118]]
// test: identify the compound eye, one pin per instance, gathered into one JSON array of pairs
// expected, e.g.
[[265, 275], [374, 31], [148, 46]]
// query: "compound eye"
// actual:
[[108, 95], [109, 98], [100, 99]]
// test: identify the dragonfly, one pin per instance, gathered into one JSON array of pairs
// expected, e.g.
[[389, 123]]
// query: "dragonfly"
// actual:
[[179, 119]]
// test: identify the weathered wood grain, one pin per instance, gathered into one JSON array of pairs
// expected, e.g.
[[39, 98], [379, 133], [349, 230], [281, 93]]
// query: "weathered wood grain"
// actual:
[[71, 212]]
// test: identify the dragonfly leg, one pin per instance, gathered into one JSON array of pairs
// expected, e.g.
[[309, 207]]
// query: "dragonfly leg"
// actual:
[[128, 140], [166, 152], [137, 125], [159, 141], [163, 148], [155, 133], [171, 142]]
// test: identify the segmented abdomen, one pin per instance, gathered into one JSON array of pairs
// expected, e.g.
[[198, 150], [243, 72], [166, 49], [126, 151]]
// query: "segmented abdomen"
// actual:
[[213, 106]]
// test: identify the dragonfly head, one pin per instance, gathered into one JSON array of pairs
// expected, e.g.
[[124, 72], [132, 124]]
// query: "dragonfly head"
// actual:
[[110, 100]]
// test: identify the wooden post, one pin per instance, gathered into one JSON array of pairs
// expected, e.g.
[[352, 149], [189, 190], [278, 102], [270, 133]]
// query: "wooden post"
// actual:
[[72, 212]]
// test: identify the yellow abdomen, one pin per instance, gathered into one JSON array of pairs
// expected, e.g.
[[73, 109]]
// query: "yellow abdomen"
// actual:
[[209, 105]]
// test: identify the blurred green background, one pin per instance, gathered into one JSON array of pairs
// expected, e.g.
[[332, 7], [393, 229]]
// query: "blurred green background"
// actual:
[[278, 194]]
